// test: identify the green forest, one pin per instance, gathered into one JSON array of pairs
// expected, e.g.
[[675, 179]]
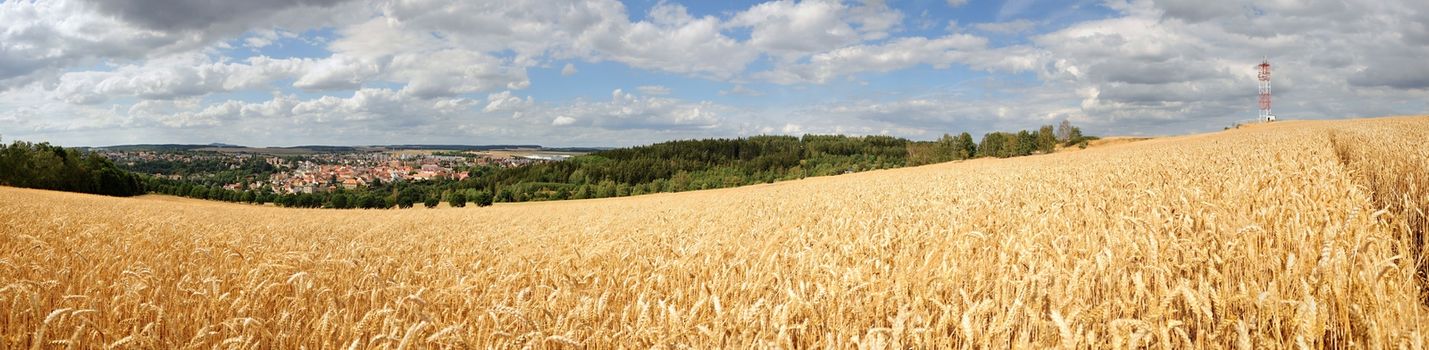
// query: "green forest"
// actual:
[[45, 166], [673, 166]]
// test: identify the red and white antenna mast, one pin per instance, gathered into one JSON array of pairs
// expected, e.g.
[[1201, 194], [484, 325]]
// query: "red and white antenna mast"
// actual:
[[1265, 115]]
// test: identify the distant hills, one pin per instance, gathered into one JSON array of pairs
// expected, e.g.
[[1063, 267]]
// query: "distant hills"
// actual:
[[312, 149]]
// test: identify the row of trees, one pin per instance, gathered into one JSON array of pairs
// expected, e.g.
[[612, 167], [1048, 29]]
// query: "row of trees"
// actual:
[[947, 148], [715, 163], [673, 166], [44, 166], [998, 144], [401, 195], [217, 169], [690, 165]]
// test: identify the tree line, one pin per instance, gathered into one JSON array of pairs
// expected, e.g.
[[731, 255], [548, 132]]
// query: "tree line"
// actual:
[[378, 195], [673, 166], [686, 165], [50, 167]]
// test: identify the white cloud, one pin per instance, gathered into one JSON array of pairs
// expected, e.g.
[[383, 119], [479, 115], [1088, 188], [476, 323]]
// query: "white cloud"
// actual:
[[383, 37], [563, 121], [265, 37], [653, 90], [790, 30], [39, 39], [74, 69], [1169, 64], [671, 41], [184, 113], [791, 129], [452, 72], [393, 51], [383, 115], [43, 36], [176, 76], [897, 54], [337, 72], [629, 111], [505, 101]]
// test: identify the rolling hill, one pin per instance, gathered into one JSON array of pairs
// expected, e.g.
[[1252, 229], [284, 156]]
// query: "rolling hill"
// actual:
[[1304, 233]]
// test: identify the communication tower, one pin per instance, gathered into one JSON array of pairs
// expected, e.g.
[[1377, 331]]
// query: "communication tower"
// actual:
[[1265, 115]]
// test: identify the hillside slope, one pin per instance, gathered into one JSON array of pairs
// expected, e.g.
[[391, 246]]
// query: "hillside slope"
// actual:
[[1295, 233]]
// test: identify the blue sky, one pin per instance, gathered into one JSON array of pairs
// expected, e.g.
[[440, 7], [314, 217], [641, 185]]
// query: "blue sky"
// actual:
[[609, 73]]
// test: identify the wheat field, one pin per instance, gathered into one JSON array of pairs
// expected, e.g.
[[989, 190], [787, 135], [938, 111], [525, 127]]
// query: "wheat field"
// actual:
[[1304, 234]]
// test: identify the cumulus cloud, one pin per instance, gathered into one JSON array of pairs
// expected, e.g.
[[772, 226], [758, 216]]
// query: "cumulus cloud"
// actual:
[[931, 116], [263, 38], [382, 50], [1192, 63], [452, 72], [177, 76], [563, 121], [185, 113], [897, 54], [337, 72], [671, 41], [630, 111], [789, 30], [506, 101], [457, 70], [41, 38]]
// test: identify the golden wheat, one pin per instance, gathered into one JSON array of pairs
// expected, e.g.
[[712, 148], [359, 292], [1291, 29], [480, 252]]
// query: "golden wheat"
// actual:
[[1294, 234]]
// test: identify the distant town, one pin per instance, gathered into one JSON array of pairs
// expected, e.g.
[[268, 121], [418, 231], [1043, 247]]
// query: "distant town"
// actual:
[[378, 177], [297, 170]]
